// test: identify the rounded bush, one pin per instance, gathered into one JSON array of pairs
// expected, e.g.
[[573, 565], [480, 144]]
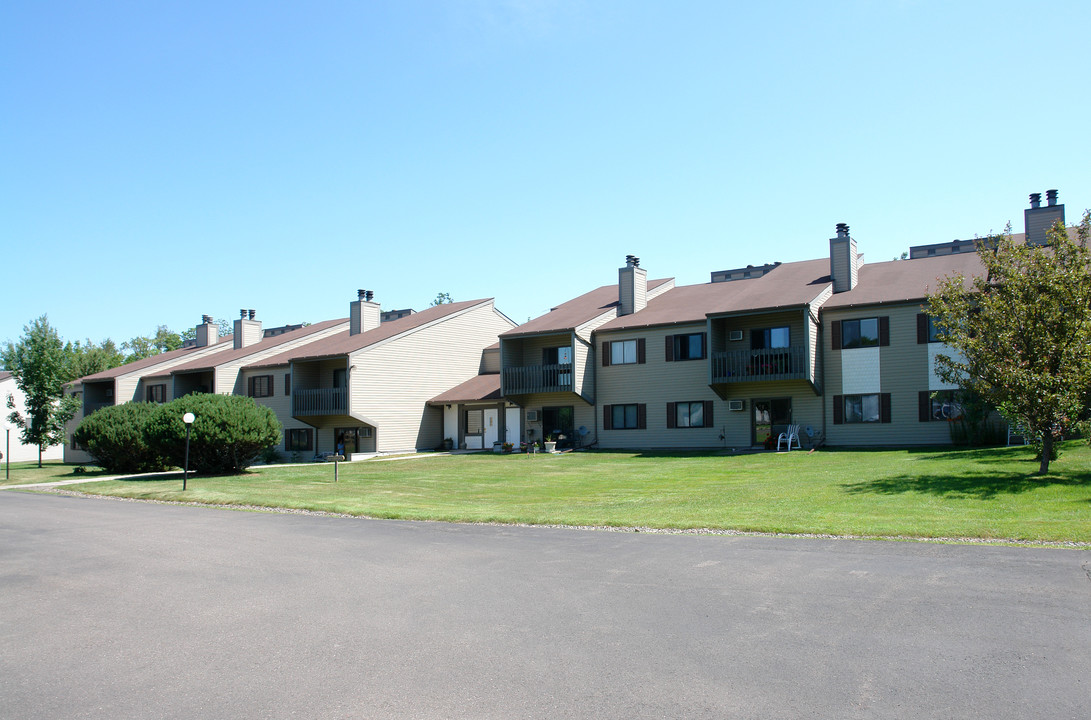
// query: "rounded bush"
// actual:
[[115, 437], [228, 432]]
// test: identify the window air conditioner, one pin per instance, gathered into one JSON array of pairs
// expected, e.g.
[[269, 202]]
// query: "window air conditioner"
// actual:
[[532, 416], [734, 335], [736, 405]]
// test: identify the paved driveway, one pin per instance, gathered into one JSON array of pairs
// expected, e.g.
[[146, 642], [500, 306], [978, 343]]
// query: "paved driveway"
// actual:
[[129, 610]]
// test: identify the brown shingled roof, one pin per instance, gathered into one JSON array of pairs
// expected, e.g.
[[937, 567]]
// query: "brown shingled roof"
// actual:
[[211, 361], [154, 360], [789, 285], [478, 388], [905, 280], [343, 343], [577, 311]]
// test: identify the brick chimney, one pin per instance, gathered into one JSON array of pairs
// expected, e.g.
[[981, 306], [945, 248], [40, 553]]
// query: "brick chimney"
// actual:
[[364, 314], [1037, 220], [632, 287], [844, 261], [247, 329]]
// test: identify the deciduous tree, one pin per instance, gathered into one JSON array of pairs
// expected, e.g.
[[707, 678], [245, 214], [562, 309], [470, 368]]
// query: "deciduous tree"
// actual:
[[1023, 331]]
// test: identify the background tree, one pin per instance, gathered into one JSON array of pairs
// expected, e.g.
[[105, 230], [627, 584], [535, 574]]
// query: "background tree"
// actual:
[[39, 364], [141, 346], [442, 299], [225, 328], [88, 358], [1023, 331]]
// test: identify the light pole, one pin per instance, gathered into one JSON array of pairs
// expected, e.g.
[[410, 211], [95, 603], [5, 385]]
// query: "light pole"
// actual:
[[188, 420]]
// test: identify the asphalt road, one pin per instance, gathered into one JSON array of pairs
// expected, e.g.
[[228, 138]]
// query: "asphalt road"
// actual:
[[116, 610]]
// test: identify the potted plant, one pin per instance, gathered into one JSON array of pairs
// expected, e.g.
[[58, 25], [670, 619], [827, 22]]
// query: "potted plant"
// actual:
[[551, 442], [507, 447], [448, 444]]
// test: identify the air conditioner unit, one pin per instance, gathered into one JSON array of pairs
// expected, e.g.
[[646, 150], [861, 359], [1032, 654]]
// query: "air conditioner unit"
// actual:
[[736, 405], [734, 335], [532, 416]]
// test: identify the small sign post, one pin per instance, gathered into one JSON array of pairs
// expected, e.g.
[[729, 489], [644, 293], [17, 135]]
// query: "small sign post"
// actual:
[[336, 459]]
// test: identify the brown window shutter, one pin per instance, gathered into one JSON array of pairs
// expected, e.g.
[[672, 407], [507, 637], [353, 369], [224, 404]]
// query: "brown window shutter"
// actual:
[[704, 345], [835, 334], [671, 417], [640, 351], [287, 383], [250, 387], [642, 417], [884, 407], [605, 353], [709, 422], [924, 405], [286, 439], [838, 409], [670, 348], [922, 328], [884, 331], [607, 417]]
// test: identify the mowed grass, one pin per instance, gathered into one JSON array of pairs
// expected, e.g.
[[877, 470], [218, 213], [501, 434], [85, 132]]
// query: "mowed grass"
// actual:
[[51, 470], [983, 493]]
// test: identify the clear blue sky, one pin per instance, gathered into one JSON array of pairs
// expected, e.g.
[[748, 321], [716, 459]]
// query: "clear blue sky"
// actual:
[[160, 161]]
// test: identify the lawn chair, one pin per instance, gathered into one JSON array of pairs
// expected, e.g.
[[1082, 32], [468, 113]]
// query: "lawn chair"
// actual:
[[789, 436]]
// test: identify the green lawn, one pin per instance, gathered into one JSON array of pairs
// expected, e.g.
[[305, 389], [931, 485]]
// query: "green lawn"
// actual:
[[918, 493], [51, 470]]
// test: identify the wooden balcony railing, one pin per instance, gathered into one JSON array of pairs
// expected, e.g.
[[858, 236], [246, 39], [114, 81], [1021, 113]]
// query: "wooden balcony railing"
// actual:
[[759, 365], [323, 401], [537, 379]]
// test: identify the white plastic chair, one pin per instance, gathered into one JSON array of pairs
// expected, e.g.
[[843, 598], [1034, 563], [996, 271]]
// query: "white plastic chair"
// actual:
[[788, 437]]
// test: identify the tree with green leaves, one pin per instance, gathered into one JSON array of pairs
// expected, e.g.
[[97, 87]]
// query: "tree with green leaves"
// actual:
[[39, 364], [141, 346], [88, 358], [442, 299], [1023, 331]]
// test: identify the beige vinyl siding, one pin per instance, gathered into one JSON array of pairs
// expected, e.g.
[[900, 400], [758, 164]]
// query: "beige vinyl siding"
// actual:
[[654, 384], [227, 378], [395, 379], [279, 403], [127, 386], [904, 372], [490, 362], [583, 369], [528, 351], [584, 331]]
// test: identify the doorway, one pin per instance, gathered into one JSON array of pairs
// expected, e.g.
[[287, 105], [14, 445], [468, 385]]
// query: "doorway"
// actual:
[[771, 416], [559, 421]]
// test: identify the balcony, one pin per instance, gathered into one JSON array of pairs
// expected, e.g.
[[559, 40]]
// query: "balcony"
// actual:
[[324, 401], [537, 379], [759, 365]]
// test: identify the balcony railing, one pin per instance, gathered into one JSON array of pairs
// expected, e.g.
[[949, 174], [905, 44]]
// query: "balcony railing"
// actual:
[[91, 407], [537, 379], [759, 365], [322, 401]]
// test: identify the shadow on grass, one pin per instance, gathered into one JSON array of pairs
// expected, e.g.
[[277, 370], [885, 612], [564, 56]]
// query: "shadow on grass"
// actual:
[[976, 484]]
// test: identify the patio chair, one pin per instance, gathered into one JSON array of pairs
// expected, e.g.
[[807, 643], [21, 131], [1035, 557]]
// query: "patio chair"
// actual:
[[789, 436]]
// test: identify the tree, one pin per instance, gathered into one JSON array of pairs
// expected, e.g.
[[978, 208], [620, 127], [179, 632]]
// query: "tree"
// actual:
[[442, 299], [1023, 331], [116, 437], [88, 358], [224, 327], [39, 364], [141, 346], [228, 434]]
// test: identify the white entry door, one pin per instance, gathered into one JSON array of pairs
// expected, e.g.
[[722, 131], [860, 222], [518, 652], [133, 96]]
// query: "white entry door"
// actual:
[[511, 423], [492, 427]]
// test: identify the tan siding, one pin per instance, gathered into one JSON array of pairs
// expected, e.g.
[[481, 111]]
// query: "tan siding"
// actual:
[[393, 381], [227, 378], [583, 368], [584, 331], [903, 374], [279, 403], [490, 362]]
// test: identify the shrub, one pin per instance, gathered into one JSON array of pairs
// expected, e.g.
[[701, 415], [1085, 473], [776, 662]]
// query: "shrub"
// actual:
[[116, 437], [228, 433]]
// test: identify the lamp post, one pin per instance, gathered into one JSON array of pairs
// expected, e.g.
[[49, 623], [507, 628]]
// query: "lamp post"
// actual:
[[188, 420]]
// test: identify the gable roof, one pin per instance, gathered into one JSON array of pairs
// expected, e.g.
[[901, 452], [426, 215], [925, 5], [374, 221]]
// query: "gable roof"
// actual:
[[789, 285], [477, 388], [577, 311], [4, 375], [265, 344], [905, 280], [343, 343], [153, 360]]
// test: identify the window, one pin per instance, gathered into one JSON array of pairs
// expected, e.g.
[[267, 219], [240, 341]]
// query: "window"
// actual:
[[297, 439], [768, 338], [686, 347], [854, 409], [157, 393], [941, 405], [860, 333], [339, 378], [260, 386], [927, 332], [287, 383], [475, 422], [558, 356], [623, 352], [624, 417], [689, 414]]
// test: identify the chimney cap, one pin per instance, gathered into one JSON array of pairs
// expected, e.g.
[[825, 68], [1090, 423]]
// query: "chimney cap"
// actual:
[[1035, 200], [842, 230], [252, 313], [632, 261], [1051, 197], [368, 295]]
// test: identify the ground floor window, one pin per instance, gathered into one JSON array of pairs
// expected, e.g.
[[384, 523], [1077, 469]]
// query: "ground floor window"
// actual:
[[771, 417], [859, 409], [157, 393], [475, 422], [690, 414], [625, 417], [942, 405], [298, 439], [347, 440], [559, 423]]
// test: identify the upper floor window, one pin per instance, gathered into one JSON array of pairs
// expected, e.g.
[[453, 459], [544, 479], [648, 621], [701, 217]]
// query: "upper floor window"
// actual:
[[623, 352], [860, 333], [686, 347], [557, 356], [767, 338], [157, 393], [260, 386], [927, 331]]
